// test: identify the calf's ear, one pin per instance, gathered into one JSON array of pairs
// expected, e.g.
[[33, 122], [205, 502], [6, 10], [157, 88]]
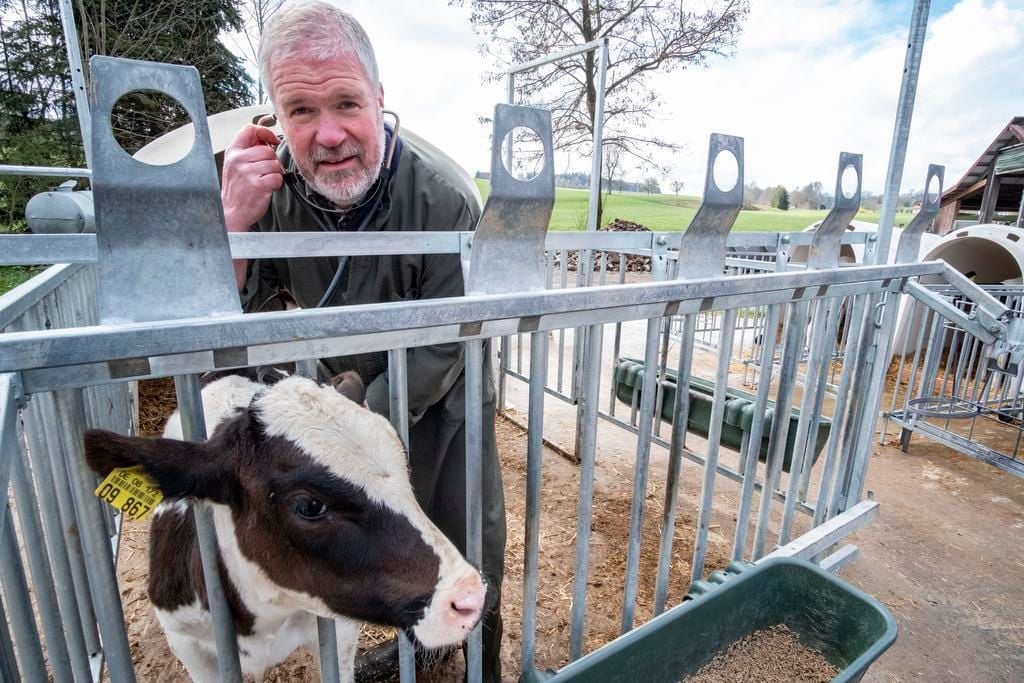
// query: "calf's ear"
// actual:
[[182, 469], [350, 385]]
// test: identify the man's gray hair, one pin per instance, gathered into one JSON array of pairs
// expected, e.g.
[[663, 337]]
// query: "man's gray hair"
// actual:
[[314, 29]]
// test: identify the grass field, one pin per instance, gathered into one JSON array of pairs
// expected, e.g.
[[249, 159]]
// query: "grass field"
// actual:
[[672, 212], [12, 276]]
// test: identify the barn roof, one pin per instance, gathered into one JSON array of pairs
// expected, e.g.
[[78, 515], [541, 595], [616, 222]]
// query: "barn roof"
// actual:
[[974, 179]]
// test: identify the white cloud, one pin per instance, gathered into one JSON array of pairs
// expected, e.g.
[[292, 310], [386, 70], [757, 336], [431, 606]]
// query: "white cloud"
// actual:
[[799, 101]]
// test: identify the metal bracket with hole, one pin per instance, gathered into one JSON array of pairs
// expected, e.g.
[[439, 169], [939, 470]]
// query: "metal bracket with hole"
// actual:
[[828, 238], [159, 229], [508, 245], [702, 246], [909, 247]]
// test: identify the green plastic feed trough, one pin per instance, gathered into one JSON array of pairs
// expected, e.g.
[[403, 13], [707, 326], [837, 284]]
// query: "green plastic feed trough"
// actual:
[[851, 629], [738, 416]]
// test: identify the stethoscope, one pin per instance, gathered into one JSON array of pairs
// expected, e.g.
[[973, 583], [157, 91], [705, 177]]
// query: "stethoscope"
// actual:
[[292, 181]]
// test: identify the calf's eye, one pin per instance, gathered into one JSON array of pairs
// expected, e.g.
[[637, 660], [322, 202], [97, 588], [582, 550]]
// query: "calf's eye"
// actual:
[[309, 508]]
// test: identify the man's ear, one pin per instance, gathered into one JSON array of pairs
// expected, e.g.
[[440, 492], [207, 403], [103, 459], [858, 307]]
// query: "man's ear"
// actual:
[[351, 386], [182, 469], [380, 96]]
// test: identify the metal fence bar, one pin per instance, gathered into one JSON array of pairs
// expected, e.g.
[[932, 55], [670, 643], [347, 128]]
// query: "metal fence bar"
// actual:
[[398, 405], [640, 472], [16, 595], [44, 171], [8, 660], [677, 444], [326, 629], [474, 491], [98, 556], [752, 453], [42, 576], [816, 366], [791, 351], [585, 505], [53, 536], [840, 417], [534, 461], [707, 492], [825, 379], [193, 428], [49, 426]]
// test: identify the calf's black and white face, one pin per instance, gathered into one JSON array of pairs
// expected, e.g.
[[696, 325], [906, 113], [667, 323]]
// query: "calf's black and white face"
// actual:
[[324, 517]]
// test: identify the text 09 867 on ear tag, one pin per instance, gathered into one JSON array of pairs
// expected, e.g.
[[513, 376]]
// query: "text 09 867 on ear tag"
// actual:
[[130, 490]]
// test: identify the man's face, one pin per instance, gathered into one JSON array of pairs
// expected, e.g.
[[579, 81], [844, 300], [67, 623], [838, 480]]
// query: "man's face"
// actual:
[[332, 118]]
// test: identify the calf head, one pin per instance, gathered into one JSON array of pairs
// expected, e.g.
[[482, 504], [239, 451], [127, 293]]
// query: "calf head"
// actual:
[[322, 508]]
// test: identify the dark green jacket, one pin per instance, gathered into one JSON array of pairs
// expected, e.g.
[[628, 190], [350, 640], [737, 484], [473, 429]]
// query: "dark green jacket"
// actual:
[[424, 193]]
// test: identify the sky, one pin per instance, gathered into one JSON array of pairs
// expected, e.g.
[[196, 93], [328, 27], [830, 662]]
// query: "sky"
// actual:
[[810, 78]]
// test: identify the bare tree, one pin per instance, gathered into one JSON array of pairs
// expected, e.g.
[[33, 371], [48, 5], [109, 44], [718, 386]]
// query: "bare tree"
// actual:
[[612, 166], [677, 186], [255, 14], [646, 36]]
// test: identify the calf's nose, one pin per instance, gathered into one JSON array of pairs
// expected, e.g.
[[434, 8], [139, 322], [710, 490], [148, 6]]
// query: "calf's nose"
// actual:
[[468, 597]]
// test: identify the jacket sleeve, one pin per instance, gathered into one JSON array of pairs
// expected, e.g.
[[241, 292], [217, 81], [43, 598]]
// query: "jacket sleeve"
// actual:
[[432, 370]]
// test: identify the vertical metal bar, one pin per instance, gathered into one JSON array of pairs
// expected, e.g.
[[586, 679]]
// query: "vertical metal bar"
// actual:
[[803, 473], [534, 460], [193, 427], [659, 401], [67, 20], [8, 660], [503, 351], [893, 301], [584, 510], [42, 577], [60, 464], [16, 595], [791, 351], [98, 554], [680, 419], [753, 451], [56, 547], [640, 472], [474, 490], [398, 403], [841, 418], [617, 339], [564, 271], [326, 630], [707, 492], [901, 130]]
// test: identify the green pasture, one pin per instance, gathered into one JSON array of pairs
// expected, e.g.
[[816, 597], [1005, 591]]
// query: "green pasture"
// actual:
[[672, 212]]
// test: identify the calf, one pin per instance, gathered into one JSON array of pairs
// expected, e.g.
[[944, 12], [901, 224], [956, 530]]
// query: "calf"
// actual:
[[314, 514]]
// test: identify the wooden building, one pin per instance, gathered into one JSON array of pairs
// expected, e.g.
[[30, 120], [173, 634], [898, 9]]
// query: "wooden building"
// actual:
[[992, 190]]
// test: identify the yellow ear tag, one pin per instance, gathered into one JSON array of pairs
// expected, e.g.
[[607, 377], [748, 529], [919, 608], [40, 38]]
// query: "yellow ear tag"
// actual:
[[130, 490]]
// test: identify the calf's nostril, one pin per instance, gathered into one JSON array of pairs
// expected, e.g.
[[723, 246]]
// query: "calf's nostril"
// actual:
[[468, 605]]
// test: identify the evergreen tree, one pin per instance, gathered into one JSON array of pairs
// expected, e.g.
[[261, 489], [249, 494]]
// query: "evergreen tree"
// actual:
[[38, 117], [781, 199]]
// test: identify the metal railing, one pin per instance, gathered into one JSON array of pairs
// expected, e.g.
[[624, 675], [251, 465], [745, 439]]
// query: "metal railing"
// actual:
[[956, 388], [65, 367]]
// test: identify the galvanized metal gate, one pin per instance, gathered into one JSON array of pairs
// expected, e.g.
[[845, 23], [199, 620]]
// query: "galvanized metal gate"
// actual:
[[72, 343]]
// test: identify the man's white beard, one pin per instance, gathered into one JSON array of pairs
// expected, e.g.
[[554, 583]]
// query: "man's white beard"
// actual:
[[354, 184]]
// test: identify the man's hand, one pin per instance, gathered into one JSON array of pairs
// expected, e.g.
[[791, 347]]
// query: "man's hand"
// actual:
[[251, 175]]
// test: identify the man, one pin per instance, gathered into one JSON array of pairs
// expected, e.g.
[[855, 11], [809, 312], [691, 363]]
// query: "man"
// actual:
[[347, 170]]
